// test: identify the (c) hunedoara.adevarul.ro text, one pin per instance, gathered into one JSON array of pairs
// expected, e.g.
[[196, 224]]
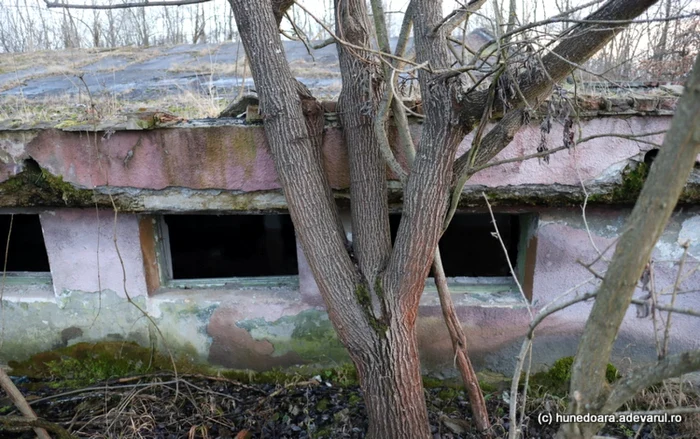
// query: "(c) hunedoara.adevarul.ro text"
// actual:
[[589, 418]]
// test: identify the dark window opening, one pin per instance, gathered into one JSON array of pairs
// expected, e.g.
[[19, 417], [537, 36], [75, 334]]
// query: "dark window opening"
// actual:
[[27, 251], [650, 156], [469, 248], [208, 246]]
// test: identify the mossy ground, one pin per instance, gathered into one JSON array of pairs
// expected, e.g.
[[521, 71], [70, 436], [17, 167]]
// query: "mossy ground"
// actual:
[[84, 364], [556, 380], [90, 363]]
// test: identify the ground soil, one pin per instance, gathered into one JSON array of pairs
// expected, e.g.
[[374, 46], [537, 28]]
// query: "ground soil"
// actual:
[[195, 406]]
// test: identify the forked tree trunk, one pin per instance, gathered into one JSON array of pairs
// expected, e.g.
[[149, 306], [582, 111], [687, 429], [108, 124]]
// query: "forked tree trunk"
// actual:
[[388, 366], [391, 382], [372, 293], [384, 350]]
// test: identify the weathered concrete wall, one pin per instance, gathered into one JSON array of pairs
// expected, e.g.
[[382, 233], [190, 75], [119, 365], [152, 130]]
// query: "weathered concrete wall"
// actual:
[[496, 334], [263, 328], [227, 166]]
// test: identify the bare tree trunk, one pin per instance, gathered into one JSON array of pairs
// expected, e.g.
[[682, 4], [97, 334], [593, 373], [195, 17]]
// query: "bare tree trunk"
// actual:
[[660, 49], [390, 376], [667, 177], [392, 386], [372, 293]]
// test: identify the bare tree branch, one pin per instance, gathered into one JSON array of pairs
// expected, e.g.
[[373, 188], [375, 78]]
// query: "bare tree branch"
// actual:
[[456, 17], [123, 5], [30, 418], [646, 376], [585, 39], [646, 223]]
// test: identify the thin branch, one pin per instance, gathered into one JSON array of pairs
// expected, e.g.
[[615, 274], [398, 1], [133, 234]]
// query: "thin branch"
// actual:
[[522, 158], [646, 376], [676, 286], [459, 345], [21, 403], [124, 5], [354, 46], [685, 311], [456, 17], [37, 424], [548, 310], [505, 251], [322, 44], [382, 116]]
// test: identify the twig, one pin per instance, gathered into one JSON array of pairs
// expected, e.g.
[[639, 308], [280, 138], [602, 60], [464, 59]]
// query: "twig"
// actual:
[[123, 5], [561, 148], [685, 311], [676, 285], [21, 403], [497, 234], [583, 213], [354, 46]]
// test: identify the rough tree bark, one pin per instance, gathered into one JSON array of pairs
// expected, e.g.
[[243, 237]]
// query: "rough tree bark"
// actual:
[[372, 291], [667, 177]]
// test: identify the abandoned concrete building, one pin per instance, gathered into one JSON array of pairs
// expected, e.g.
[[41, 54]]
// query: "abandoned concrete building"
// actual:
[[187, 223]]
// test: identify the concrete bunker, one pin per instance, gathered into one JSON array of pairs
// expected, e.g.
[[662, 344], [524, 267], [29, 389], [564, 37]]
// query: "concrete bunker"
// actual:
[[197, 204]]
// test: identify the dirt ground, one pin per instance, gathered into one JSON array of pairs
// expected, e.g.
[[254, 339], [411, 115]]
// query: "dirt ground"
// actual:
[[196, 406]]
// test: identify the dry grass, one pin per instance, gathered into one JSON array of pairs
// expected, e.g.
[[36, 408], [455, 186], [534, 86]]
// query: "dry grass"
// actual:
[[35, 65], [20, 110], [214, 68], [670, 395], [81, 108], [667, 396], [313, 70]]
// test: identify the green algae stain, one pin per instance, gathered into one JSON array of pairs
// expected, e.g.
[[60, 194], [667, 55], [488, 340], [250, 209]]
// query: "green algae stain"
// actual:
[[310, 334]]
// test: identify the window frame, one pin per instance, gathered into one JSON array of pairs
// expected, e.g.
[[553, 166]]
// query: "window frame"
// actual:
[[165, 271], [484, 287]]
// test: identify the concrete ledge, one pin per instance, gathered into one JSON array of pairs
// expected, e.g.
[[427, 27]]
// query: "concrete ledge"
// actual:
[[227, 166]]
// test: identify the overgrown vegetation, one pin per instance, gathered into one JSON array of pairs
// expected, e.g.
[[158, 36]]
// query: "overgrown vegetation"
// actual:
[[319, 403]]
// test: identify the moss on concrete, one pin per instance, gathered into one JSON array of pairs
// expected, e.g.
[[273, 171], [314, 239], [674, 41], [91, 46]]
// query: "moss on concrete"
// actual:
[[87, 363], [35, 186], [556, 380], [68, 123], [633, 179], [69, 193]]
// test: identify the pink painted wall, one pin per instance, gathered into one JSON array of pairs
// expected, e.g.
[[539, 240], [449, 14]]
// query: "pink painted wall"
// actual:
[[77, 238], [588, 161], [227, 157], [496, 334]]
